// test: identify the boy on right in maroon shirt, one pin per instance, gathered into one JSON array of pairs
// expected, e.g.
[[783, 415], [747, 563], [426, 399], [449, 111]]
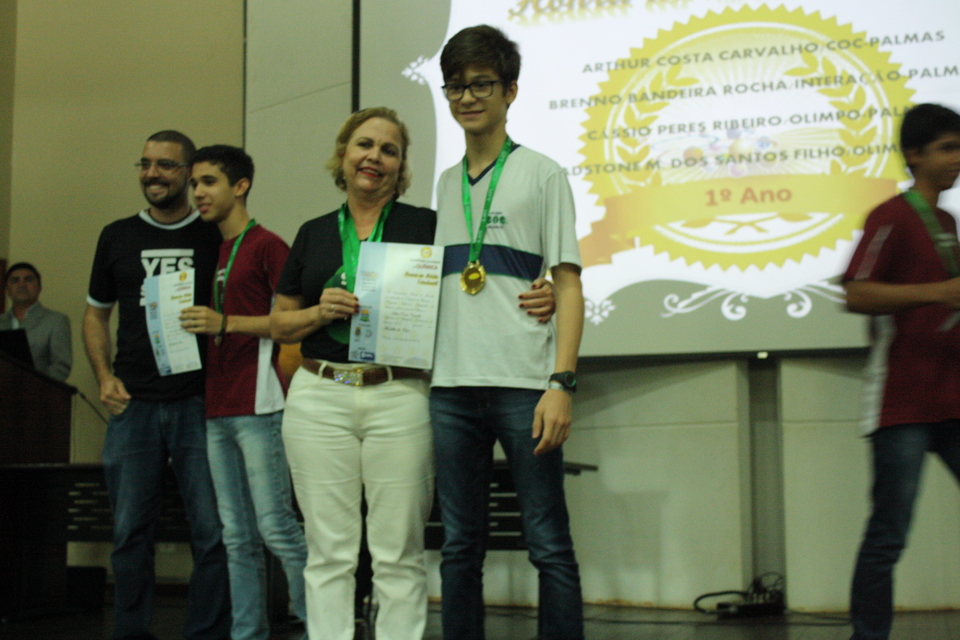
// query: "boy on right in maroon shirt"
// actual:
[[904, 275]]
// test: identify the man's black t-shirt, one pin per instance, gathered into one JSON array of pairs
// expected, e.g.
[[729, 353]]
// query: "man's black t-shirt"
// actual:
[[135, 248]]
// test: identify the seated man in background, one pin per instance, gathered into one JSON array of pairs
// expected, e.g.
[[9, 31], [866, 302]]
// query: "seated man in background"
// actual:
[[48, 332]]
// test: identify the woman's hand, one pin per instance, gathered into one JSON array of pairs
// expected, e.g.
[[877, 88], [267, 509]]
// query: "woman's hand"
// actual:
[[538, 301], [337, 304]]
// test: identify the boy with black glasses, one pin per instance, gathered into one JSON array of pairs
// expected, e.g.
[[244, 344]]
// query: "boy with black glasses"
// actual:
[[506, 216]]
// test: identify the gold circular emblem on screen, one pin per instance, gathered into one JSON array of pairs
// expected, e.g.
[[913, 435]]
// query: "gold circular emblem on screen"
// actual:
[[743, 139]]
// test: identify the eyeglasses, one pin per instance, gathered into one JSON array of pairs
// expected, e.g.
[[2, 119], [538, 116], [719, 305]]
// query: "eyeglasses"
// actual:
[[479, 89], [163, 165]]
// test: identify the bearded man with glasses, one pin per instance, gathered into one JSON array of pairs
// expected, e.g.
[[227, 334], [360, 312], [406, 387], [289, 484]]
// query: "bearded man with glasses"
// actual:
[[155, 418]]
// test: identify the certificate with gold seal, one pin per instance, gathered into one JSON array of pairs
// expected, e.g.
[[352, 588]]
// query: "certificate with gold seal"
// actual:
[[398, 286]]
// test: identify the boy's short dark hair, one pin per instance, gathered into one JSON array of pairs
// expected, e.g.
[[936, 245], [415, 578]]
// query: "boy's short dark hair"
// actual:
[[484, 46], [22, 265], [924, 123], [169, 135], [233, 161]]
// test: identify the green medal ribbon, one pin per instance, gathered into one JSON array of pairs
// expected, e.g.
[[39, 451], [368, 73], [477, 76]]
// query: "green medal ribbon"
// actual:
[[476, 243], [346, 276], [946, 243], [220, 286]]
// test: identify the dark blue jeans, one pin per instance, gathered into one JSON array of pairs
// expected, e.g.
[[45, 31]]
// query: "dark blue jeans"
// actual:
[[466, 423], [138, 444], [898, 457]]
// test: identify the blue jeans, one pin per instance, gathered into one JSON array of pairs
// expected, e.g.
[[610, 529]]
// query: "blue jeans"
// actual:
[[466, 422], [252, 480], [898, 457], [138, 445]]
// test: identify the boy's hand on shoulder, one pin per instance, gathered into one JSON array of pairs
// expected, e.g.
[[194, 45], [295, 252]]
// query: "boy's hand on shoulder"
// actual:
[[552, 419]]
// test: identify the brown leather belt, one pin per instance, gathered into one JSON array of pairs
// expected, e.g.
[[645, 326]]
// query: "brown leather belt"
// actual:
[[361, 376]]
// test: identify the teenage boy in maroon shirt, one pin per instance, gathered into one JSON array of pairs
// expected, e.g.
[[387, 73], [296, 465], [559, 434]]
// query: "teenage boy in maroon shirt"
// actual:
[[904, 275]]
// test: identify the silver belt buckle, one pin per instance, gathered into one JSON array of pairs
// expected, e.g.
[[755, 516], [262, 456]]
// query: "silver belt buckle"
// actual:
[[352, 377]]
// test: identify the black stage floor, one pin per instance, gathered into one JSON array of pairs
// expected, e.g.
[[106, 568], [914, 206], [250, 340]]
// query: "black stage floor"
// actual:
[[505, 623]]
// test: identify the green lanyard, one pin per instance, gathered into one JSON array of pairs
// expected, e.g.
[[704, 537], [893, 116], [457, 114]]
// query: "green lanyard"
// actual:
[[946, 243], [220, 286], [351, 244], [346, 276], [476, 243]]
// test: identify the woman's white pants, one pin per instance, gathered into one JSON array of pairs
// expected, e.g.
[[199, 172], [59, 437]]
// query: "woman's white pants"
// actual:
[[343, 442]]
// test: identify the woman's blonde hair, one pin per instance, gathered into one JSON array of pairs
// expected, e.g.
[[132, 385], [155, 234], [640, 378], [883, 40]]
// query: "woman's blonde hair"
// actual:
[[335, 163]]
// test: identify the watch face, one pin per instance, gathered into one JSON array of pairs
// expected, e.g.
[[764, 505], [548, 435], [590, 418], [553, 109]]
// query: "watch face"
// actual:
[[568, 379]]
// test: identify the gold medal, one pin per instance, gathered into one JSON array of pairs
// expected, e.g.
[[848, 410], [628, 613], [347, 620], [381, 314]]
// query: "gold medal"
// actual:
[[473, 278]]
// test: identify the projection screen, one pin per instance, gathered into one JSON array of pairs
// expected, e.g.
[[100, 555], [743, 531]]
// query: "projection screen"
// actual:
[[722, 154]]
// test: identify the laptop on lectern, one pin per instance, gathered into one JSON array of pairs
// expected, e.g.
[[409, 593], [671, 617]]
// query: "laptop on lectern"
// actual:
[[13, 343]]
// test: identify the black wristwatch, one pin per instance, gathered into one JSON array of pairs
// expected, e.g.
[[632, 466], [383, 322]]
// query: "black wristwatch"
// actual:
[[566, 379]]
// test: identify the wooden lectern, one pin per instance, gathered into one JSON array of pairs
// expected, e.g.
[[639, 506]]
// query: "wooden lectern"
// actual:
[[34, 415], [34, 442]]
